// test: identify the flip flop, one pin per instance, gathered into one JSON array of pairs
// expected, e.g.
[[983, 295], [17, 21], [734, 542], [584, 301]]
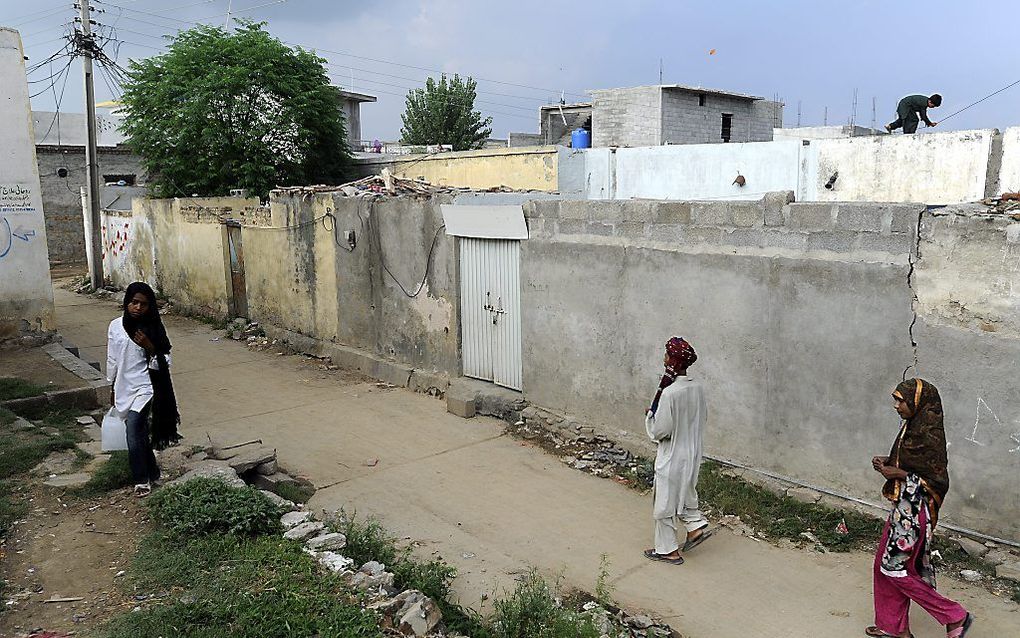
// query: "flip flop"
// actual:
[[651, 555], [698, 540], [962, 630], [878, 633]]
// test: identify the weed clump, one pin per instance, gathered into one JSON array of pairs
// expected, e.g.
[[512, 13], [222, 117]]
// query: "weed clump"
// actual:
[[532, 611], [207, 505]]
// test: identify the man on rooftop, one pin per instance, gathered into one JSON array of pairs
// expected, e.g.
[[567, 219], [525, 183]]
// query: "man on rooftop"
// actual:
[[909, 108]]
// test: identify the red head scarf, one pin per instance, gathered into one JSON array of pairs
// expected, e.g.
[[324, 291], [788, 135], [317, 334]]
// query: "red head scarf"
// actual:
[[680, 355]]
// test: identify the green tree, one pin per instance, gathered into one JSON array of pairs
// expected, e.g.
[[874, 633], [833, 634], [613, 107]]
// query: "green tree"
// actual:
[[443, 113], [223, 110]]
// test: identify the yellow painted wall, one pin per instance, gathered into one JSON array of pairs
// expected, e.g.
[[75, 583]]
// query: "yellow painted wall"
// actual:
[[184, 239], [290, 274], [533, 168]]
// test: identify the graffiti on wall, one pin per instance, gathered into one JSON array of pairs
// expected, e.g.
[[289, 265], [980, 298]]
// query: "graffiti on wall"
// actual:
[[116, 235], [9, 234]]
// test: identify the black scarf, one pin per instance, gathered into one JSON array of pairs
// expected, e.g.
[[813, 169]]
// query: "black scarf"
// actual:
[[163, 408]]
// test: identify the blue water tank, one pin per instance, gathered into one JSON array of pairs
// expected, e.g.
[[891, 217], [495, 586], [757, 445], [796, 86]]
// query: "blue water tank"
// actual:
[[580, 138]]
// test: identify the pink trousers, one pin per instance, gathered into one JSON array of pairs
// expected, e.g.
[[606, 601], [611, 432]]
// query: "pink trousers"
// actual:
[[893, 595]]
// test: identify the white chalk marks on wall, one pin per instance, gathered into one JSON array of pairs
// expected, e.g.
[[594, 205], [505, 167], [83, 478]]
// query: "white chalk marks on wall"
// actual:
[[977, 420], [982, 410]]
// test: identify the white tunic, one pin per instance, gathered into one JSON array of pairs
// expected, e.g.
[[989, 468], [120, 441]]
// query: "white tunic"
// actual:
[[127, 368], [677, 427]]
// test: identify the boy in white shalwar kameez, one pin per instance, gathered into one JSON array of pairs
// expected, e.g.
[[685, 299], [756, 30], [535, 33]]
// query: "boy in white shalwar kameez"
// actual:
[[675, 421]]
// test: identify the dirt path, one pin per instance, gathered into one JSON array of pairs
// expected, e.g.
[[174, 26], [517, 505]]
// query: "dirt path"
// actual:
[[69, 548], [493, 506]]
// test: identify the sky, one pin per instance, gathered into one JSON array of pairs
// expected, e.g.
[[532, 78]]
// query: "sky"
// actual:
[[813, 55]]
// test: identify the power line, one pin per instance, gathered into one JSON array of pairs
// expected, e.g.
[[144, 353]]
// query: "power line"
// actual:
[[29, 15], [1007, 87], [50, 14], [351, 55], [370, 81]]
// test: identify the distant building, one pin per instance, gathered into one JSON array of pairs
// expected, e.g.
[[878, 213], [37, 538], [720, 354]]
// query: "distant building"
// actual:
[[824, 132], [351, 103], [658, 115], [676, 114], [60, 153]]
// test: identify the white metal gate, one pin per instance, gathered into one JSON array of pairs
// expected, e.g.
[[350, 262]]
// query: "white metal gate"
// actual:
[[491, 310]]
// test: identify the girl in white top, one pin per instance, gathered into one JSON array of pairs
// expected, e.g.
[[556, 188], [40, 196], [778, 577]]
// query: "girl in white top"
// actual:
[[138, 367]]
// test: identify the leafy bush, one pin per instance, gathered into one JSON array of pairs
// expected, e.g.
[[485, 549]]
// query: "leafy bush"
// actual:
[[208, 505]]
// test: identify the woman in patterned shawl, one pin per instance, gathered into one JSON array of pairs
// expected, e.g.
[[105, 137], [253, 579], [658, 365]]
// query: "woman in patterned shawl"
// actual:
[[917, 480]]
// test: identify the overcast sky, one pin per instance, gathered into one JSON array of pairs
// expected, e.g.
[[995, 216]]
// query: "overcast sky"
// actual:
[[814, 53]]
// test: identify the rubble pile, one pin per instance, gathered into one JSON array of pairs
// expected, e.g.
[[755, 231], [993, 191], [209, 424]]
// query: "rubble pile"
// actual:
[[372, 186], [615, 622], [385, 184], [581, 448], [1007, 203]]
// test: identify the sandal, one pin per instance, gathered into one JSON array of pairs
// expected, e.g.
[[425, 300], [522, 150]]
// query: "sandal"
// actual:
[[698, 540], [651, 555], [143, 489], [878, 633], [962, 630]]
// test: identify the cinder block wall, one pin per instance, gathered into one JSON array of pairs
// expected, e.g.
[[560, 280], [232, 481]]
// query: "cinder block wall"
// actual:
[[685, 121], [627, 117], [801, 314]]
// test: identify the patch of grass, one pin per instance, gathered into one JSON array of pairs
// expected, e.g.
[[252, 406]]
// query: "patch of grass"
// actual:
[[244, 587], [531, 611], [6, 416], [21, 451], [295, 492], [781, 516], [11, 507], [207, 505], [112, 475], [15, 388]]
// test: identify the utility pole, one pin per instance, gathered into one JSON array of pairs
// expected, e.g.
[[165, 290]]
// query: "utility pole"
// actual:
[[226, 23], [94, 236]]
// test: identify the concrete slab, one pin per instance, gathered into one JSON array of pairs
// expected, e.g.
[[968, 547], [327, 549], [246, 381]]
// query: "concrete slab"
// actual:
[[68, 480]]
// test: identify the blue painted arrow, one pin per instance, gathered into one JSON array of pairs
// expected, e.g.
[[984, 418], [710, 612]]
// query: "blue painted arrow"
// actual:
[[23, 234]]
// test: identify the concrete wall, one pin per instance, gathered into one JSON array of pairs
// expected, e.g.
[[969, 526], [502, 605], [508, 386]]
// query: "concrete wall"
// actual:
[[706, 171], [935, 168], [298, 278], [177, 246], [824, 132], [61, 195], [26, 293], [531, 168], [800, 314], [1009, 171]]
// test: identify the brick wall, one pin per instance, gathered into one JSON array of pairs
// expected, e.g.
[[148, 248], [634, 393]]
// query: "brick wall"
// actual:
[[61, 197]]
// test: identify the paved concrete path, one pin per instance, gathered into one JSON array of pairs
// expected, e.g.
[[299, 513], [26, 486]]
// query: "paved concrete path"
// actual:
[[492, 506]]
